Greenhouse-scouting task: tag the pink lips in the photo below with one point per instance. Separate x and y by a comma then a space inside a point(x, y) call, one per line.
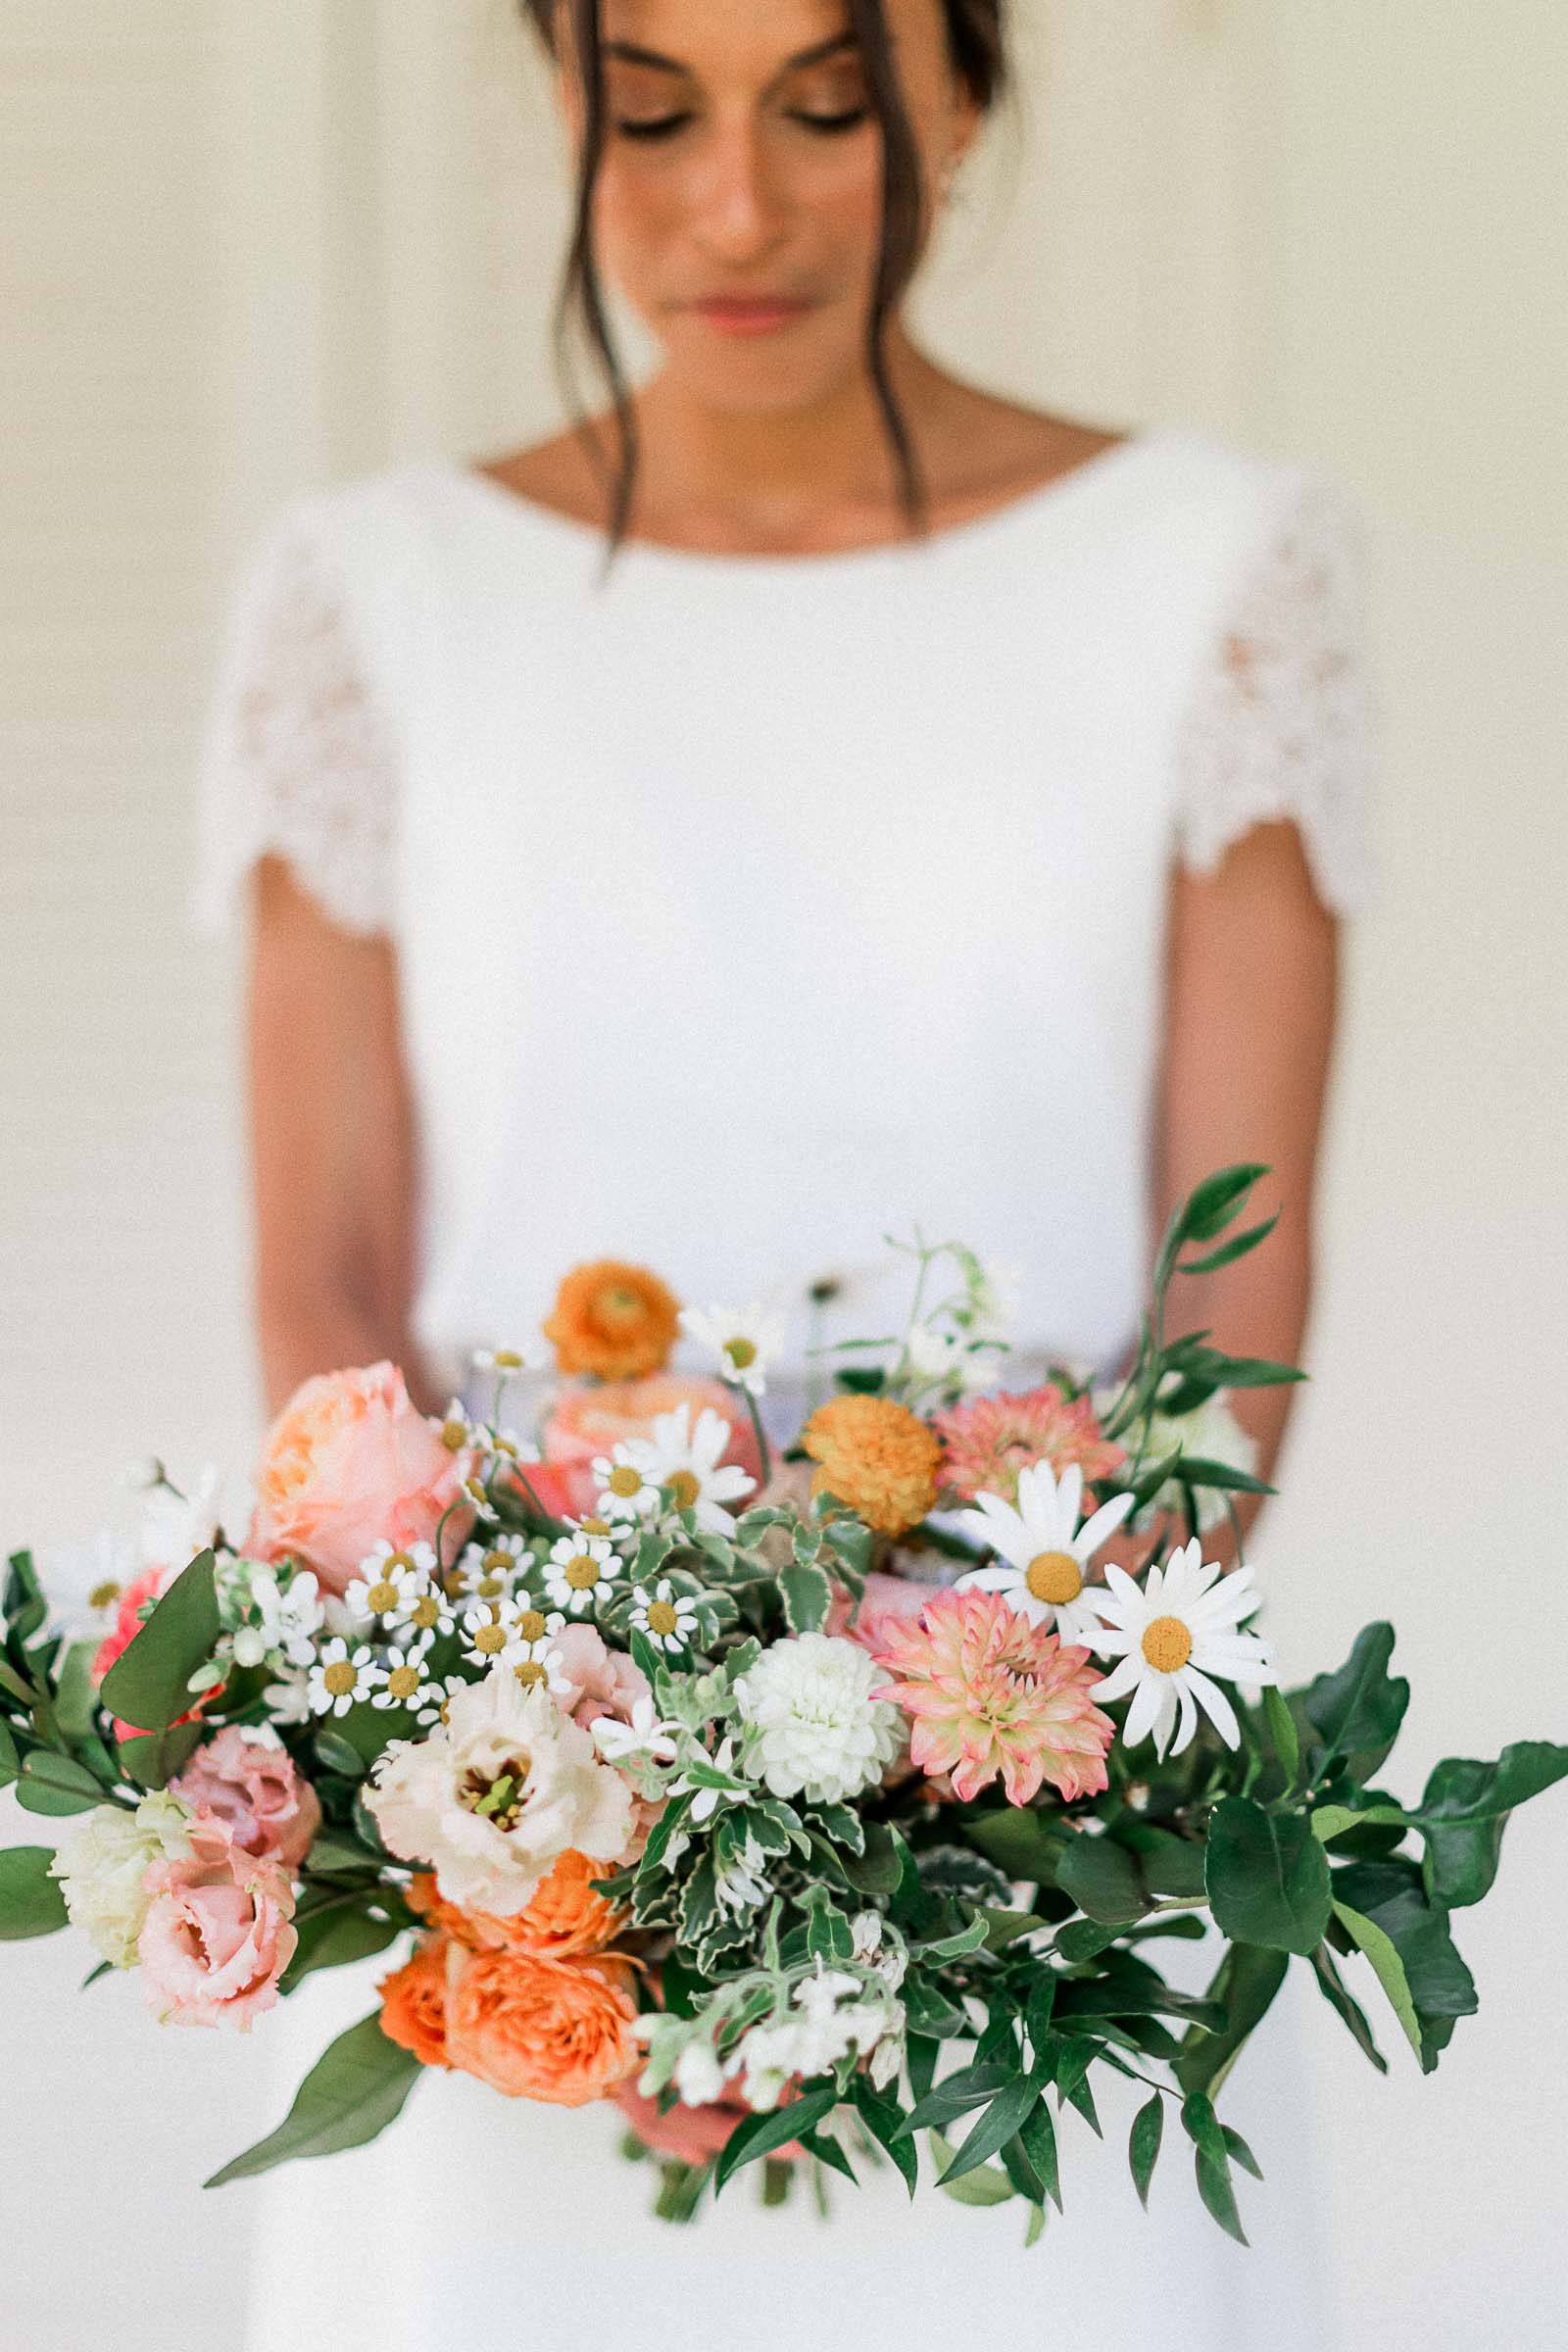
point(739, 318)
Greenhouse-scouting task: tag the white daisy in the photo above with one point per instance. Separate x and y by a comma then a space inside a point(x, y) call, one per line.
point(743, 1342)
point(340, 1677)
point(626, 1491)
point(1043, 1551)
point(490, 1571)
point(1172, 1634)
point(400, 1678)
point(456, 1431)
point(506, 1360)
point(581, 1571)
point(489, 1631)
point(480, 1495)
point(536, 1660)
point(390, 1580)
point(689, 1462)
point(667, 1618)
point(644, 1738)
point(430, 1611)
point(438, 1695)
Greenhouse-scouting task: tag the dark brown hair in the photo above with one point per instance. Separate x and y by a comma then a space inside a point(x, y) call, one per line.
point(977, 49)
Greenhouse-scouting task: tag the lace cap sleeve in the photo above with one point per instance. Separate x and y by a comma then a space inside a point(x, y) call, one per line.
point(296, 758)
point(1286, 718)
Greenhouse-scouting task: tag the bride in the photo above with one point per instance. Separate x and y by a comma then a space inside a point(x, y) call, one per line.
point(810, 794)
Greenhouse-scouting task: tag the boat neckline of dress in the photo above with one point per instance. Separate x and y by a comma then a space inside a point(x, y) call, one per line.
point(978, 531)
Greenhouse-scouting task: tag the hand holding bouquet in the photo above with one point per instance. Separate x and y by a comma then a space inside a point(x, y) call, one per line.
point(828, 1807)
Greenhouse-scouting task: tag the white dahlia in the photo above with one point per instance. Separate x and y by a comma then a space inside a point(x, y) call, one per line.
point(824, 1737)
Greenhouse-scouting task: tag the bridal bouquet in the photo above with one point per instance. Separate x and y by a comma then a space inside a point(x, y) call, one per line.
point(822, 1810)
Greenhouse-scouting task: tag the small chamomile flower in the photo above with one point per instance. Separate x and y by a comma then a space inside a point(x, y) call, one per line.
point(434, 1709)
point(539, 1660)
point(487, 1631)
point(479, 1493)
point(509, 1361)
point(288, 1699)
point(456, 1431)
point(390, 1580)
point(340, 1677)
point(401, 1679)
point(581, 1571)
point(491, 1570)
point(667, 1618)
point(430, 1611)
point(626, 1491)
point(745, 1342)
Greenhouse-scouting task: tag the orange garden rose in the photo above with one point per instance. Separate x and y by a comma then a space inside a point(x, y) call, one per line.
point(553, 2029)
point(566, 1920)
point(414, 2003)
point(615, 1321)
point(877, 1457)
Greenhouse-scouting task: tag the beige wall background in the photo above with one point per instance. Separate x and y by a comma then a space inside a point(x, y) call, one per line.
point(245, 249)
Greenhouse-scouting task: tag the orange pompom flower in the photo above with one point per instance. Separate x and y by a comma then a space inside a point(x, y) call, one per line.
point(877, 1457)
point(553, 2029)
point(414, 2003)
point(615, 1321)
point(566, 1920)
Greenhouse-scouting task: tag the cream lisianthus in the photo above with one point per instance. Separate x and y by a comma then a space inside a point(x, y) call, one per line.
point(101, 1861)
point(744, 1343)
point(1041, 1550)
point(500, 1790)
point(1172, 1634)
point(689, 1460)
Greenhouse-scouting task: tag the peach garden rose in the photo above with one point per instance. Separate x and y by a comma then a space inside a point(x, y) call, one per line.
point(532, 2028)
point(350, 1459)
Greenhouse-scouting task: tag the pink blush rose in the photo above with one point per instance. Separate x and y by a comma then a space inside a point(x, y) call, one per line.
point(252, 1787)
point(600, 1680)
point(350, 1459)
point(218, 1935)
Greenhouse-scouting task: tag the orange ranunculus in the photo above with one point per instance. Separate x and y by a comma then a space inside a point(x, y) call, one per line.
point(553, 2029)
point(414, 2003)
point(587, 1424)
point(566, 1920)
point(613, 1320)
point(877, 1457)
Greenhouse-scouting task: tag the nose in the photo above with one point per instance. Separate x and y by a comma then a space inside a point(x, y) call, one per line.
point(737, 200)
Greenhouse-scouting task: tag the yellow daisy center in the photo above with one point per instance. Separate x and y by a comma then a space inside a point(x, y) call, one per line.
point(339, 1680)
point(102, 1594)
point(625, 1482)
point(1054, 1577)
point(597, 1527)
point(582, 1572)
point(530, 1672)
point(683, 1485)
point(381, 1597)
point(507, 1360)
point(454, 1435)
point(490, 1638)
point(496, 1563)
point(1167, 1644)
point(403, 1682)
point(426, 1612)
point(490, 1588)
point(532, 1626)
point(661, 1619)
point(741, 1353)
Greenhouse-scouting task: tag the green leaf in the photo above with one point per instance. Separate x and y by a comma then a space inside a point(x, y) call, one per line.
point(1236, 1248)
point(1267, 1876)
point(1223, 1478)
point(1211, 2156)
point(1102, 1879)
point(1143, 2146)
point(1345, 2006)
point(1358, 1711)
point(807, 1595)
point(1017, 1841)
point(877, 1871)
point(1038, 2135)
point(148, 1683)
point(153, 1760)
point(1283, 1735)
point(1243, 1984)
point(10, 1756)
point(828, 1935)
point(883, 2117)
point(959, 1944)
point(1004, 1926)
point(761, 2134)
point(971, 2087)
point(1378, 1947)
point(53, 1783)
point(984, 2187)
point(353, 2091)
point(1002, 2119)
point(1385, 1909)
point(1465, 1809)
point(1240, 2153)
point(75, 1694)
point(1084, 1939)
point(31, 1902)
point(338, 1754)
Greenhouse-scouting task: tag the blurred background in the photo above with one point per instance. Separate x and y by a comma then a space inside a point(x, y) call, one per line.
point(243, 250)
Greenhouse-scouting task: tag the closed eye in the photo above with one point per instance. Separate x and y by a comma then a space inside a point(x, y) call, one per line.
point(664, 126)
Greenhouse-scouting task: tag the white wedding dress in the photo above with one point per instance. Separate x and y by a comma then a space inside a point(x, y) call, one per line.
point(749, 910)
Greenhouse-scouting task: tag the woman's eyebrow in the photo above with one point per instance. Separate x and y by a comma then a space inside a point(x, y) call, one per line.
point(632, 53)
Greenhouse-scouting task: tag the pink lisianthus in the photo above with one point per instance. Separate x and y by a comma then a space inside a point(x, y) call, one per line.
point(587, 1423)
point(989, 1693)
point(248, 1782)
point(600, 1680)
point(351, 1459)
point(985, 1444)
point(129, 1621)
point(218, 1935)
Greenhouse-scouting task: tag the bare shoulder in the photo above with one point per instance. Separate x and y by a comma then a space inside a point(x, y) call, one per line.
point(999, 449)
point(558, 473)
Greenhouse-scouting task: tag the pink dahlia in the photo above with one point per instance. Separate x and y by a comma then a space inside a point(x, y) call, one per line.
point(989, 1693)
point(987, 1444)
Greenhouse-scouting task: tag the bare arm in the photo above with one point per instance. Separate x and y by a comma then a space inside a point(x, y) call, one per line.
point(332, 1145)
point(1251, 1000)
